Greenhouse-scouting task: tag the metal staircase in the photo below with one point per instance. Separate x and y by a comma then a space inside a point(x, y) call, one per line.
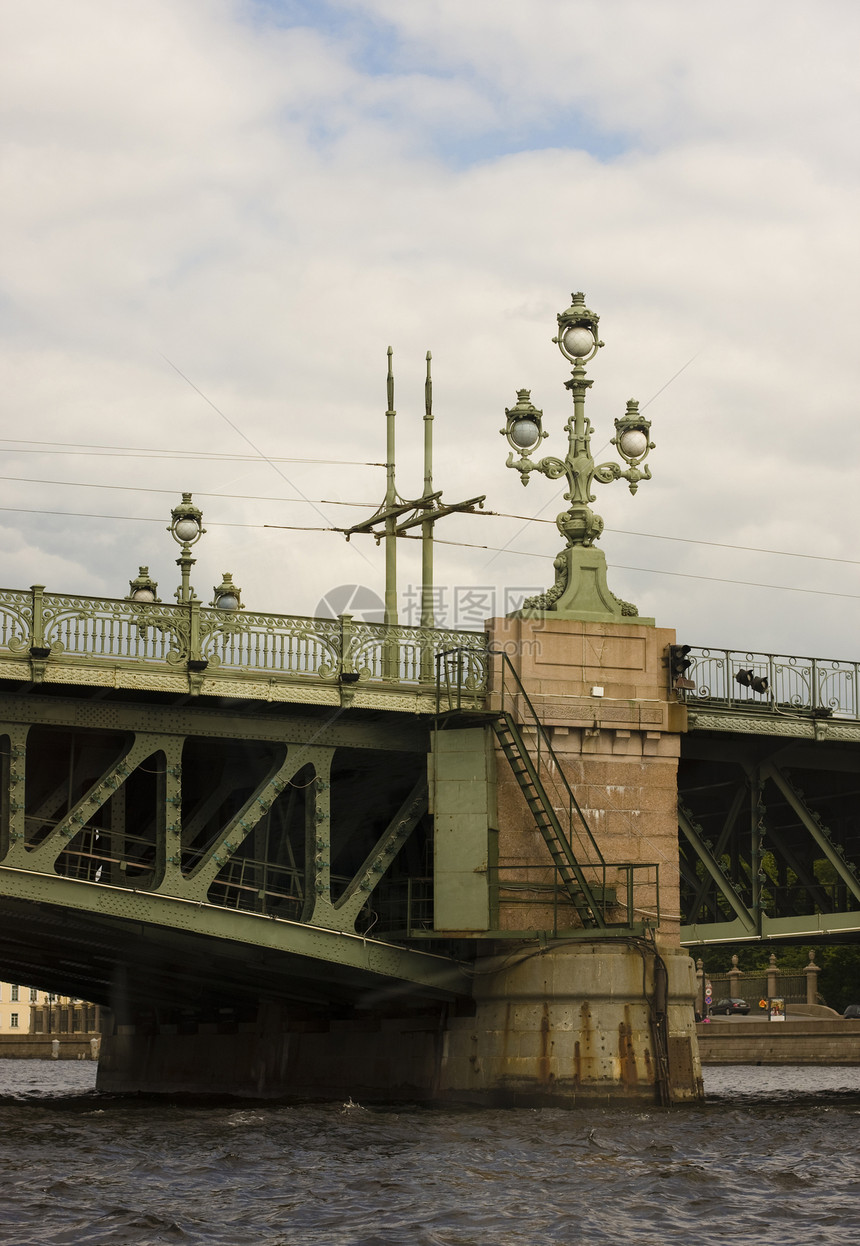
point(525, 741)
point(547, 820)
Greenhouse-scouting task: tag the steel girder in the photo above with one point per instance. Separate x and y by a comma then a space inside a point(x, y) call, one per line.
point(195, 825)
point(769, 839)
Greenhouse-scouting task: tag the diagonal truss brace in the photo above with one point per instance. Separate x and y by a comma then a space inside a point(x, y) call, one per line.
point(44, 857)
point(383, 853)
point(231, 837)
point(818, 833)
point(168, 878)
point(713, 867)
point(720, 846)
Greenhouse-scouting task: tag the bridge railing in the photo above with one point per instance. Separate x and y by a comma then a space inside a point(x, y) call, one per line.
point(93, 630)
point(819, 686)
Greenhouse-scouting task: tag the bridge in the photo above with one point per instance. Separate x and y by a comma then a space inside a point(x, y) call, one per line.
point(206, 812)
point(329, 858)
point(203, 809)
point(769, 833)
point(181, 766)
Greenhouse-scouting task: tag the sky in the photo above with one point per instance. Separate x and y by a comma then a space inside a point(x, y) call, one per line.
point(217, 215)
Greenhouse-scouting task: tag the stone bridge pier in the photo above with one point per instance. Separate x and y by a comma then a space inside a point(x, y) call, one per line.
point(589, 1013)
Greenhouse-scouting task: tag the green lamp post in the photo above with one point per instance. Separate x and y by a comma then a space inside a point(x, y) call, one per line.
point(186, 528)
point(580, 590)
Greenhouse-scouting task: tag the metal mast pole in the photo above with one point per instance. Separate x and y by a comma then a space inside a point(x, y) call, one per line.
point(427, 617)
point(389, 504)
point(422, 513)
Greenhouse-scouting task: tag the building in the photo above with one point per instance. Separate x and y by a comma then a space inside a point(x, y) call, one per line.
point(26, 1010)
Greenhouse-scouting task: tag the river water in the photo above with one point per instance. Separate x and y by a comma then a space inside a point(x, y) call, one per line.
point(772, 1157)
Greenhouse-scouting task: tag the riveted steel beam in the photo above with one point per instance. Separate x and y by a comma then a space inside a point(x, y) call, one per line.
point(360, 964)
point(347, 908)
point(44, 856)
point(815, 828)
point(721, 844)
point(817, 927)
point(744, 916)
point(332, 728)
point(235, 832)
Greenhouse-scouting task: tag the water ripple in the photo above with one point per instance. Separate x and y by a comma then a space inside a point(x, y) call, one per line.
point(772, 1158)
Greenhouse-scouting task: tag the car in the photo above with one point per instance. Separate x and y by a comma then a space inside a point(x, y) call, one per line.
point(730, 1008)
point(852, 1012)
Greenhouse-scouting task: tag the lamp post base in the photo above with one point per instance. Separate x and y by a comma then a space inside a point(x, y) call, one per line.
point(581, 592)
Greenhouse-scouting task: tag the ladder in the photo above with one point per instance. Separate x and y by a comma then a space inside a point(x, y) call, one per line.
point(570, 872)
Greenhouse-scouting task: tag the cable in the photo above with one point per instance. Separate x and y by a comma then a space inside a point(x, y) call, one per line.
point(77, 447)
point(685, 575)
point(669, 382)
point(242, 497)
point(687, 540)
point(714, 579)
point(254, 497)
point(254, 447)
point(24, 510)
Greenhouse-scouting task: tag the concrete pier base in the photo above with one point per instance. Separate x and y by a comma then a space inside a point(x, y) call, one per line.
point(608, 1021)
point(553, 1026)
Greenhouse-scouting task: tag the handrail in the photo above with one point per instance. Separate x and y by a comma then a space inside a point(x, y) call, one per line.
point(49, 627)
point(819, 687)
point(450, 668)
point(544, 739)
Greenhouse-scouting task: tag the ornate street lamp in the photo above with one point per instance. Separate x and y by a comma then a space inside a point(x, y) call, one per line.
point(143, 588)
point(186, 528)
point(580, 589)
point(227, 595)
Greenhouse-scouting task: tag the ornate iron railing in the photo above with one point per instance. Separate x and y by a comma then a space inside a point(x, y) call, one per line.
point(43, 626)
point(820, 687)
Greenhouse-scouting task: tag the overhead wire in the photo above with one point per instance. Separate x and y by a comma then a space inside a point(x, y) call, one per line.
point(200, 493)
point(215, 523)
point(689, 540)
point(256, 497)
point(33, 446)
point(29, 446)
point(247, 439)
point(687, 575)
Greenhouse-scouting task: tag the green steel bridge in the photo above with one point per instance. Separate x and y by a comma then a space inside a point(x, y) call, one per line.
point(201, 806)
point(170, 778)
point(768, 786)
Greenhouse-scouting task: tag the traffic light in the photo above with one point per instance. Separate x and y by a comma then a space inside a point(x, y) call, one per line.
point(679, 664)
point(749, 679)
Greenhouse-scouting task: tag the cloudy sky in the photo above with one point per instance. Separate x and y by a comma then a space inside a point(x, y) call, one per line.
point(218, 214)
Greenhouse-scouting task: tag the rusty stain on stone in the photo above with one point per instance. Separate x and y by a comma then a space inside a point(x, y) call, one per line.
point(545, 1045)
point(586, 1062)
point(629, 1073)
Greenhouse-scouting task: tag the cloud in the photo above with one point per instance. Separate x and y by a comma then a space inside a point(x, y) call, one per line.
point(265, 196)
